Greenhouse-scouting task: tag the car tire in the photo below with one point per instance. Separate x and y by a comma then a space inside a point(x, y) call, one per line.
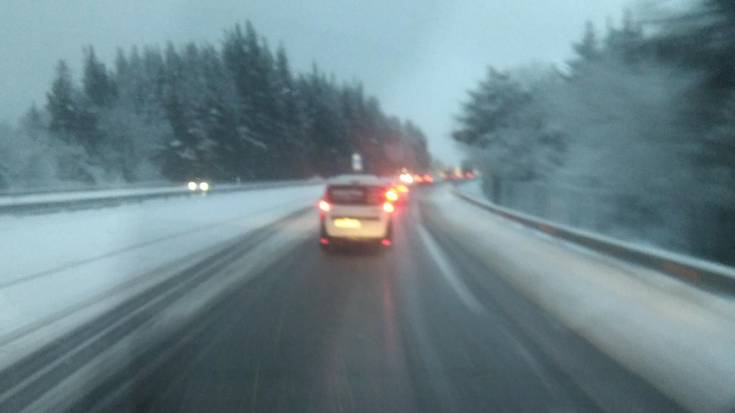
point(323, 235)
point(388, 236)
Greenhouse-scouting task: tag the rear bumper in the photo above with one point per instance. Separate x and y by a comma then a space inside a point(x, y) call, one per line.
point(371, 231)
point(354, 241)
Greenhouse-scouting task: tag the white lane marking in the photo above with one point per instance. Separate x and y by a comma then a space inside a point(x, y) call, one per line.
point(449, 274)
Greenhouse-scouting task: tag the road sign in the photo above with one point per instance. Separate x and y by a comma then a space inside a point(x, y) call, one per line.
point(356, 162)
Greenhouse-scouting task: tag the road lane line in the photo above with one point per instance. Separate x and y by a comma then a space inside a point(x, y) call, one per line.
point(448, 272)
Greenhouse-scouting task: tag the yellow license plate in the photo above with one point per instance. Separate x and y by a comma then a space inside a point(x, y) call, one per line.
point(347, 223)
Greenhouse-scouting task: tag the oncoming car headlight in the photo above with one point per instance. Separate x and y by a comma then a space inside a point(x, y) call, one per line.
point(192, 186)
point(203, 186)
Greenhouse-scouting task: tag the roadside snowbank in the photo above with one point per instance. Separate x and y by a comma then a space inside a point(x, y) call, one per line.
point(62, 269)
point(679, 338)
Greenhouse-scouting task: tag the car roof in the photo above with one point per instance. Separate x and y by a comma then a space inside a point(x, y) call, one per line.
point(356, 179)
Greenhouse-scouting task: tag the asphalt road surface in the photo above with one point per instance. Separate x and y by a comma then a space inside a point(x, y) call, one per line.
point(421, 327)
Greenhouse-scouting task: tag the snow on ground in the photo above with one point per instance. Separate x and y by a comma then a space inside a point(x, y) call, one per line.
point(120, 354)
point(473, 188)
point(474, 191)
point(53, 262)
point(7, 200)
point(679, 338)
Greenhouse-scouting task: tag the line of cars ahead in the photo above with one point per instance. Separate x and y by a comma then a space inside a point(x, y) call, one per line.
point(356, 209)
point(359, 209)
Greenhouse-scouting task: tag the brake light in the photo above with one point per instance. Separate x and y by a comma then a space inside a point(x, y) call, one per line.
point(418, 179)
point(324, 241)
point(324, 206)
point(388, 207)
point(386, 242)
point(428, 178)
point(391, 195)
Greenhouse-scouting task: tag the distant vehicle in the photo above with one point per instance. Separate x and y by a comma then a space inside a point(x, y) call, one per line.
point(402, 192)
point(423, 179)
point(397, 192)
point(357, 209)
point(197, 184)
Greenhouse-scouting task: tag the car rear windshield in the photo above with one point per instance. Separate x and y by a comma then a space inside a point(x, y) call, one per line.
point(355, 195)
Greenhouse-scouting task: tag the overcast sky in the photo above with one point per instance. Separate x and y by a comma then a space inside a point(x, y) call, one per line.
point(419, 57)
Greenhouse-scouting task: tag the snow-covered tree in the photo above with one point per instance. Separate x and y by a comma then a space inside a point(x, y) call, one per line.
point(61, 103)
point(230, 112)
point(587, 49)
point(98, 87)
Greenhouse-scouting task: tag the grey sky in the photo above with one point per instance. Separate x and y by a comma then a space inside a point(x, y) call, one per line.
point(419, 57)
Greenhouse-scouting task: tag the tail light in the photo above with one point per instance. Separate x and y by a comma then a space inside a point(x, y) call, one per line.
point(386, 242)
point(324, 206)
point(388, 207)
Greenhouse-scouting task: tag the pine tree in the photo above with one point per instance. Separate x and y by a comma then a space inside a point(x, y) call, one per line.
point(97, 84)
point(61, 104)
point(122, 67)
point(326, 127)
point(290, 119)
point(217, 113)
point(269, 127)
point(240, 55)
point(626, 42)
point(178, 154)
point(491, 107)
point(587, 49)
point(229, 113)
point(33, 122)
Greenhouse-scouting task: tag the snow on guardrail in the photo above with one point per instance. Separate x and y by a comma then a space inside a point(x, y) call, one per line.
point(704, 274)
point(48, 202)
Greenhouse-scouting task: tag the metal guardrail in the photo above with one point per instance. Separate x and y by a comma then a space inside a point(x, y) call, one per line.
point(59, 201)
point(701, 273)
point(80, 187)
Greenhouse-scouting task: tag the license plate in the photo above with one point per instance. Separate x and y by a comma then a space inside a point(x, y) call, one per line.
point(347, 223)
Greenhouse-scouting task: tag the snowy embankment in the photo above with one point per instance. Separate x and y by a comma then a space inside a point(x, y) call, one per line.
point(45, 202)
point(69, 196)
point(62, 269)
point(704, 274)
point(679, 338)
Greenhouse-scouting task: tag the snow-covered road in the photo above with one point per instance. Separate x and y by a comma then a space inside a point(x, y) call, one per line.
point(679, 338)
point(62, 269)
